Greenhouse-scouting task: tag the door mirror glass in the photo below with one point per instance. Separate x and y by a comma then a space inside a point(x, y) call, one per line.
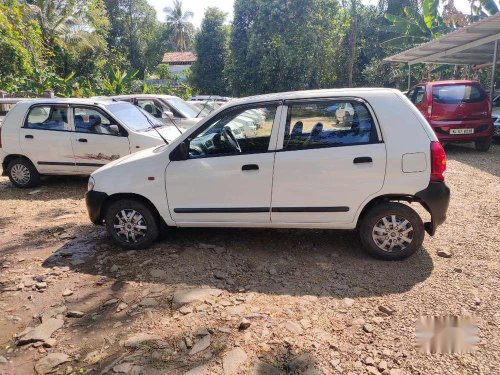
point(181, 152)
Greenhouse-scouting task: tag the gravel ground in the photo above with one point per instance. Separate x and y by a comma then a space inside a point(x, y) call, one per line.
point(234, 301)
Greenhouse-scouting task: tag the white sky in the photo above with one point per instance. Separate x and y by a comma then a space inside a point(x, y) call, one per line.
point(199, 6)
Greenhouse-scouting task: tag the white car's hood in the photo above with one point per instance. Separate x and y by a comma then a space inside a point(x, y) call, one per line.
point(170, 133)
point(132, 157)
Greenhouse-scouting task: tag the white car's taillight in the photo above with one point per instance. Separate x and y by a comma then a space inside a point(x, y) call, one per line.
point(438, 161)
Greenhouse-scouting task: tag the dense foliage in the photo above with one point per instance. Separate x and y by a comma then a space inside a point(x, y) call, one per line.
point(211, 47)
point(101, 47)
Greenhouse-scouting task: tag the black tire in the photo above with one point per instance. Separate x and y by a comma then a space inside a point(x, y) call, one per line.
point(22, 164)
point(375, 215)
point(149, 220)
point(483, 146)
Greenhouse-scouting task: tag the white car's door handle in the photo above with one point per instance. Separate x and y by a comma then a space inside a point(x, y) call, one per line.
point(82, 140)
point(29, 136)
point(363, 159)
point(250, 167)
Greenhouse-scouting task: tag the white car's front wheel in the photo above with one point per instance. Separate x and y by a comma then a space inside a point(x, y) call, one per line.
point(132, 224)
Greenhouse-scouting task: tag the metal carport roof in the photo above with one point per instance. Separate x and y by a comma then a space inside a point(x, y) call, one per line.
point(470, 45)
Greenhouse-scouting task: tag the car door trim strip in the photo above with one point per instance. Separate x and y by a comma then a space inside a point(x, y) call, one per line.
point(69, 163)
point(225, 210)
point(311, 209)
point(222, 210)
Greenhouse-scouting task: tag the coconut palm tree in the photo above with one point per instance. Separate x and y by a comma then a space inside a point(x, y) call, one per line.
point(179, 25)
point(63, 22)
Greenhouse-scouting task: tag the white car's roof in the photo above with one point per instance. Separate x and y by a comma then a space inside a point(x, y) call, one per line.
point(310, 94)
point(93, 101)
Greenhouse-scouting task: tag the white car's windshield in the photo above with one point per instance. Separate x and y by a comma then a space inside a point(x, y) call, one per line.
point(133, 117)
point(182, 107)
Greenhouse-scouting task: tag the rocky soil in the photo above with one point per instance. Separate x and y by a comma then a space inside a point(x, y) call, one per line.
point(235, 301)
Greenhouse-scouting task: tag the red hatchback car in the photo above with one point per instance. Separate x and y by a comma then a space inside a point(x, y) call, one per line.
point(458, 111)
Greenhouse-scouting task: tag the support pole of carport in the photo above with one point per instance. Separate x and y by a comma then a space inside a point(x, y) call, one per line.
point(493, 69)
point(409, 76)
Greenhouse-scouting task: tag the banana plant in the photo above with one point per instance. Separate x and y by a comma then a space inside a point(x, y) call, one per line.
point(415, 27)
point(117, 81)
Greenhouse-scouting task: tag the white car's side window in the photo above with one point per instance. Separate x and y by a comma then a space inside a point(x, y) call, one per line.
point(327, 124)
point(48, 118)
point(88, 120)
point(237, 132)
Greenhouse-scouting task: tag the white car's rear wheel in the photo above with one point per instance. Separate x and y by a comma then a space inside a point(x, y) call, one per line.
point(392, 231)
point(132, 224)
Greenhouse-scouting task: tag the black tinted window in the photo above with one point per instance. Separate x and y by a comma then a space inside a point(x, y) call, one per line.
point(455, 94)
point(328, 123)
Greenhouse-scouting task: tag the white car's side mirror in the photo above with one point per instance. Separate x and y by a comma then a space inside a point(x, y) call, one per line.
point(114, 129)
point(168, 114)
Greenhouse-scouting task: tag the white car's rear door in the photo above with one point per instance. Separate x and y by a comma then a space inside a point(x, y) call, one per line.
point(45, 138)
point(218, 183)
point(327, 165)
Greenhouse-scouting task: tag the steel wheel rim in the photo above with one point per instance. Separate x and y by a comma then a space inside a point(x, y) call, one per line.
point(392, 233)
point(130, 226)
point(20, 174)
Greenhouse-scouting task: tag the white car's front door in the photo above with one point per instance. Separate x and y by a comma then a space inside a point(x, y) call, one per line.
point(225, 178)
point(95, 141)
point(45, 139)
point(328, 164)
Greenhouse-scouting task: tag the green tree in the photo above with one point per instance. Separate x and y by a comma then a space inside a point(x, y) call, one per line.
point(179, 27)
point(277, 45)
point(20, 44)
point(70, 23)
point(135, 34)
point(211, 46)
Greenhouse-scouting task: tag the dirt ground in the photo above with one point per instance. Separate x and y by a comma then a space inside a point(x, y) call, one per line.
point(234, 301)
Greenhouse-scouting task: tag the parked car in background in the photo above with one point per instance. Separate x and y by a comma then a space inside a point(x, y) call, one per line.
point(458, 111)
point(495, 115)
point(73, 137)
point(211, 98)
point(205, 107)
point(303, 168)
point(169, 109)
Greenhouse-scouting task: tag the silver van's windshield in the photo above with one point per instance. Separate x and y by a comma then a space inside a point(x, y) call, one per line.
point(132, 117)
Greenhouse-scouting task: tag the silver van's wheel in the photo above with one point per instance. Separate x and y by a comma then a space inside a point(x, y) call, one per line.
point(22, 173)
point(392, 231)
point(132, 224)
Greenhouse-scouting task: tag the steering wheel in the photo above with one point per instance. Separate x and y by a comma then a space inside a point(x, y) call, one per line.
point(230, 138)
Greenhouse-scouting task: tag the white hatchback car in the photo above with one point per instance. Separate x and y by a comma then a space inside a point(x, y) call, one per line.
point(304, 168)
point(73, 137)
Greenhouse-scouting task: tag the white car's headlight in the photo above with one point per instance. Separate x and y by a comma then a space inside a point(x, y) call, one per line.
point(91, 184)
